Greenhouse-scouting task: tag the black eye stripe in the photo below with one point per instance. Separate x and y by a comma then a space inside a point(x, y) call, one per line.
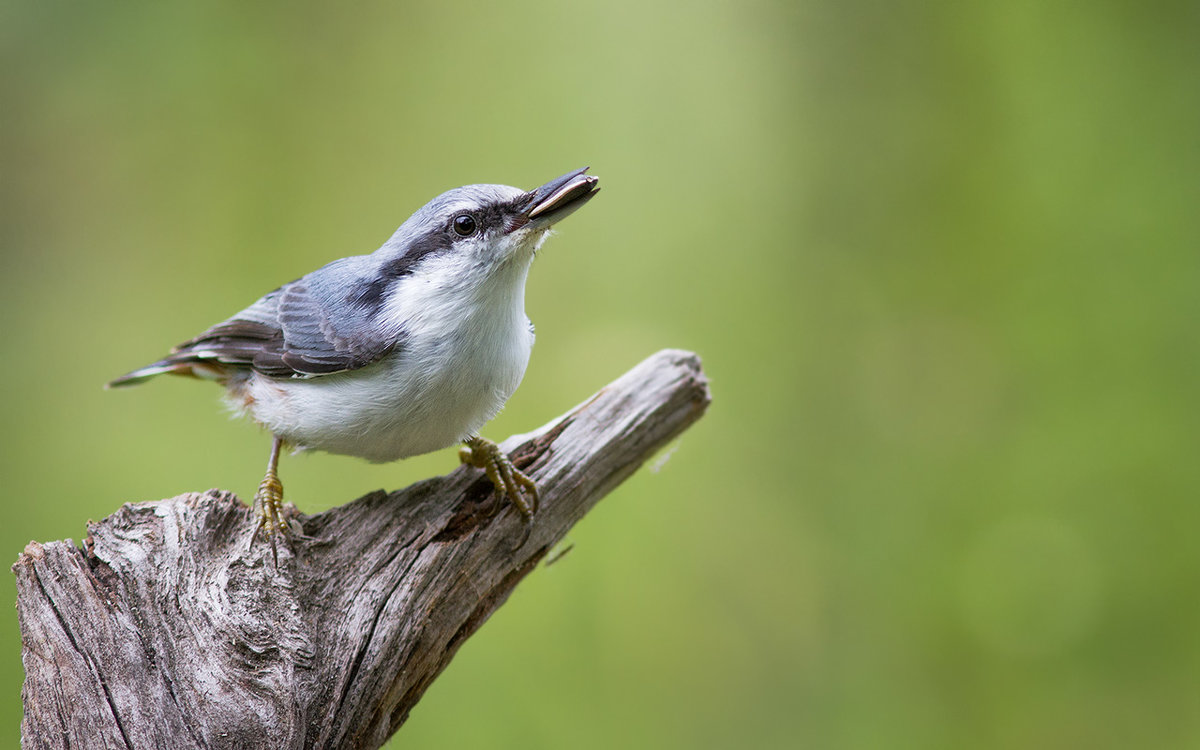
point(489, 217)
point(431, 244)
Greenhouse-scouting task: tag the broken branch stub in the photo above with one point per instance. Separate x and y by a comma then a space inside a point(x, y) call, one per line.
point(170, 629)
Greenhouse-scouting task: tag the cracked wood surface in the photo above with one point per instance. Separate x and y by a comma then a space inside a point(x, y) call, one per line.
point(170, 630)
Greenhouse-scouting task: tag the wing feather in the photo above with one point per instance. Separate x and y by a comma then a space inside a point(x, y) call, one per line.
point(307, 328)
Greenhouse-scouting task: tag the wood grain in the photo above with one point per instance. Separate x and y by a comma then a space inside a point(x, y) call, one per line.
point(169, 629)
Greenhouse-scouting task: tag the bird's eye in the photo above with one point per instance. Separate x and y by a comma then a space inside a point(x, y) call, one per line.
point(464, 224)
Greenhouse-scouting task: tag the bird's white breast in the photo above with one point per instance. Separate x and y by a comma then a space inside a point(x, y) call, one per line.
point(463, 345)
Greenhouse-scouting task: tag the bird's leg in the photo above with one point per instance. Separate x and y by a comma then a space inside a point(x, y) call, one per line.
point(507, 479)
point(269, 502)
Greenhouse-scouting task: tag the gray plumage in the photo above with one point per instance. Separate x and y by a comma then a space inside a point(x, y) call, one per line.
point(399, 352)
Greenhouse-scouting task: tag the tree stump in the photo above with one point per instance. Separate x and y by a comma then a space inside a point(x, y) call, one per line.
point(170, 629)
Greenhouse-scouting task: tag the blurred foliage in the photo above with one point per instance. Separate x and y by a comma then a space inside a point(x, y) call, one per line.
point(941, 261)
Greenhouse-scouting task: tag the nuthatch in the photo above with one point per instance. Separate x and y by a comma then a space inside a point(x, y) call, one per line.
point(404, 351)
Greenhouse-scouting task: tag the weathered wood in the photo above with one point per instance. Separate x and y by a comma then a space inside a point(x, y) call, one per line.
point(169, 629)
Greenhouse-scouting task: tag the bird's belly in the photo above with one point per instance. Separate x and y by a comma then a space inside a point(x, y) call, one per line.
point(391, 410)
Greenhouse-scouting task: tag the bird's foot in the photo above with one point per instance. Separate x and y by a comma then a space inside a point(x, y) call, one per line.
point(268, 501)
point(506, 478)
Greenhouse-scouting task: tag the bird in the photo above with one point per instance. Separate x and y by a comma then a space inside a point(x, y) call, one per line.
point(400, 352)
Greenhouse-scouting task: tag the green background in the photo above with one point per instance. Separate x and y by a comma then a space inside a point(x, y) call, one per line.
point(941, 262)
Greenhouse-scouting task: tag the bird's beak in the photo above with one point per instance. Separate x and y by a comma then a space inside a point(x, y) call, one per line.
point(559, 198)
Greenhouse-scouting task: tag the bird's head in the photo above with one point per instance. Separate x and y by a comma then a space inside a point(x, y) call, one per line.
point(484, 227)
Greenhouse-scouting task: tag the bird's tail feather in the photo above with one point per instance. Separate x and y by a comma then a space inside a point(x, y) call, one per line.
point(142, 374)
point(170, 366)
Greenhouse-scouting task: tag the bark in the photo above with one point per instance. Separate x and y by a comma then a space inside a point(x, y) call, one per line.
point(170, 629)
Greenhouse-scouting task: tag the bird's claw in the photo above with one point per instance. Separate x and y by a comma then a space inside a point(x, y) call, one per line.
point(268, 501)
point(506, 478)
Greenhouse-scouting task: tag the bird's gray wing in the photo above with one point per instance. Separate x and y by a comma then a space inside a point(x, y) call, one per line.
point(315, 325)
